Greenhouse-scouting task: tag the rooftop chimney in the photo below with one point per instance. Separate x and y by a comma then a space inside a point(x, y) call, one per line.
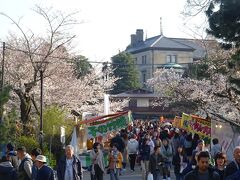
point(133, 39)
point(139, 34)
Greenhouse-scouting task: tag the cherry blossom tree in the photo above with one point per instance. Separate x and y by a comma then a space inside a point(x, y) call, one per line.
point(30, 53)
point(209, 96)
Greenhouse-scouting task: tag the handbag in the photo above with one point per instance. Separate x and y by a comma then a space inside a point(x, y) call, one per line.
point(150, 176)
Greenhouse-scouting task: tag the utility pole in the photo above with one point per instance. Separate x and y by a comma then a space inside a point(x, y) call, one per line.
point(41, 109)
point(2, 80)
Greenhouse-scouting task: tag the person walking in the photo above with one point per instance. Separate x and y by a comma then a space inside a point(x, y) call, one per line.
point(25, 167)
point(132, 149)
point(7, 171)
point(69, 167)
point(179, 162)
point(98, 166)
point(233, 168)
point(155, 163)
point(44, 171)
point(203, 170)
point(144, 152)
point(176, 141)
point(125, 152)
point(115, 162)
point(188, 146)
point(167, 152)
point(216, 148)
point(12, 154)
point(34, 153)
point(220, 164)
point(200, 147)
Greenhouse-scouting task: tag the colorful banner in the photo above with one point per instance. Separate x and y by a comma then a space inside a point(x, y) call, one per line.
point(105, 126)
point(177, 122)
point(195, 124)
point(185, 121)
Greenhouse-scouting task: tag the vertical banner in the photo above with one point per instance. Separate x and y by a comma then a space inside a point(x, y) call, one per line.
point(62, 135)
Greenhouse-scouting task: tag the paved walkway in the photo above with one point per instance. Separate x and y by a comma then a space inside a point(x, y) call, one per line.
point(127, 175)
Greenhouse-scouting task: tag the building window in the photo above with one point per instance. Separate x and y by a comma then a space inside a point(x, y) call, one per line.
point(135, 61)
point(133, 103)
point(171, 58)
point(144, 59)
point(144, 76)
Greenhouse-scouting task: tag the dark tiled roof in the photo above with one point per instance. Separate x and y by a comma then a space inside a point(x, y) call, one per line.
point(197, 44)
point(159, 42)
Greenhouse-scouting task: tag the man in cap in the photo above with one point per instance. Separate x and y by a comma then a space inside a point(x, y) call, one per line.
point(34, 153)
point(25, 167)
point(44, 172)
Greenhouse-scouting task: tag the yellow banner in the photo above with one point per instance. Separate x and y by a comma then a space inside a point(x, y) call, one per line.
point(196, 124)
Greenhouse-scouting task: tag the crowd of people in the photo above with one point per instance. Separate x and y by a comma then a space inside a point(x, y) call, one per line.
point(17, 164)
point(158, 150)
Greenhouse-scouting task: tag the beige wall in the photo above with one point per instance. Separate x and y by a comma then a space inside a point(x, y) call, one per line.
point(160, 57)
point(141, 67)
point(143, 102)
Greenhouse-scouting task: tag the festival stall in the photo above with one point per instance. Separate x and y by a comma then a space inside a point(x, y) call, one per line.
point(99, 129)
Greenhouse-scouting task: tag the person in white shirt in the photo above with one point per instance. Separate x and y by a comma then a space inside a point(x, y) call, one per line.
point(132, 149)
point(69, 167)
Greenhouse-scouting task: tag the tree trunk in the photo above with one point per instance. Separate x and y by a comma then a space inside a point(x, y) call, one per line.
point(25, 107)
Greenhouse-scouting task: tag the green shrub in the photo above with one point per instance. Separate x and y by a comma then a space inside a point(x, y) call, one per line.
point(29, 142)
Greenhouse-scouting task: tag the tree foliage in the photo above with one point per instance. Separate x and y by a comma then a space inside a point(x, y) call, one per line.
point(29, 54)
point(82, 66)
point(9, 129)
point(125, 69)
point(223, 17)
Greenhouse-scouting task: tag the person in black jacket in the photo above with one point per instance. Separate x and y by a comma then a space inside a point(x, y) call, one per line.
point(203, 171)
point(44, 172)
point(179, 162)
point(119, 141)
point(234, 166)
point(144, 151)
point(69, 167)
point(220, 164)
point(7, 171)
point(155, 163)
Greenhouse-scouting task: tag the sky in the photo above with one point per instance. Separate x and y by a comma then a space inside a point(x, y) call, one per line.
point(106, 25)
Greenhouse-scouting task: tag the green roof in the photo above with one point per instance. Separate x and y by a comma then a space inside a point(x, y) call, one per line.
point(173, 65)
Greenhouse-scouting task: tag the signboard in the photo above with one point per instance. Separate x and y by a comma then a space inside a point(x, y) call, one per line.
point(196, 124)
point(111, 124)
point(177, 122)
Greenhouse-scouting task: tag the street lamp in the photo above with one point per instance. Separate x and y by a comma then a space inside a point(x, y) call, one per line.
point(41, 66)
point(2, 81)
point(41, 109)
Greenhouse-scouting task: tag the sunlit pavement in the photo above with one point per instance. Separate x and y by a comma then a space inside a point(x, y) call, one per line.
point(127, 175)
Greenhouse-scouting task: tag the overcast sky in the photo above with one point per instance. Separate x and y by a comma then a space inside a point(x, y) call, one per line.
point(107, 25)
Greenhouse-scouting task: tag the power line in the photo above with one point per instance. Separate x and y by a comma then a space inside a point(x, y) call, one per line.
point(94, 62)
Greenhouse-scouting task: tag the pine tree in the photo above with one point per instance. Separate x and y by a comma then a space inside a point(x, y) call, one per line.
point(224, 23)
point(125, 69)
